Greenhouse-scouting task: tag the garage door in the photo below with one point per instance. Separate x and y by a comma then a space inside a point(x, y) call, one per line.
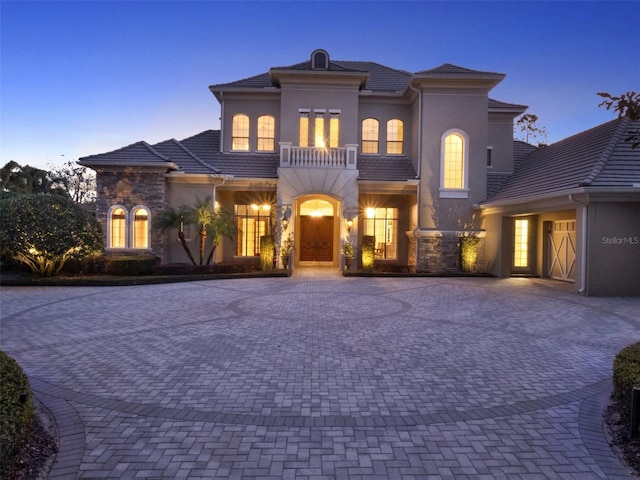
point(562, 250)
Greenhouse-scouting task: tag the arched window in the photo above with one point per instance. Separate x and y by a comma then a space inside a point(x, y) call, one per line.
point(117, 228)
point(395, 136)
point(454, 165)
point(140, 228)
point(240, 133)
point(266, 133)
point(370, 135)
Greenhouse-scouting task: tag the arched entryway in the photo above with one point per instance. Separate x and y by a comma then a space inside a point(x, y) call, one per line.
point(317, 230)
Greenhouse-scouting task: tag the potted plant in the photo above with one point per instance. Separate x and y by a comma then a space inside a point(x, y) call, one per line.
point(285, 250)
point(348, 250)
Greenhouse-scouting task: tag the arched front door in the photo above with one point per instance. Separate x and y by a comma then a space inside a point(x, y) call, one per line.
point(316, 231)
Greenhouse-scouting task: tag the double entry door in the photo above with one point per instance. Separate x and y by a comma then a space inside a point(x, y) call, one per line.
point(316, 239)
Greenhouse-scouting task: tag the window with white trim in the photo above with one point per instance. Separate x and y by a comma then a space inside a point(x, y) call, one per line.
point(395, 136)
point(454, 165)
point(304, 128)
point(334, 129)
point(117, 228)
point(266, 133)
point(240, 133)
point(140, 228)
point(370, 132)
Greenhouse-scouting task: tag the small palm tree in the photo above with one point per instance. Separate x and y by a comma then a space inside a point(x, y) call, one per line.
point(171, 218)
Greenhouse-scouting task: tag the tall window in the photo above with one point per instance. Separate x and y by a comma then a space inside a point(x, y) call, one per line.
point(370, 135)
point(319, 130)
point(334, 129)
point(118, 228)
point(395, 136)
point(240, 133)
point(454, 165)
point(140, 228)
point(304, 129)
point(266, 133)
point(382, 223)
point(521, 243)
point(252, 222)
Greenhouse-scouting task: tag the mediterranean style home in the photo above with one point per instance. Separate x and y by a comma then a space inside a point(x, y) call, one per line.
point(325, 151)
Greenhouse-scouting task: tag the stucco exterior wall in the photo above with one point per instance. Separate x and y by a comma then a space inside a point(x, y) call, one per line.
point(613, 244)
point(253, 106)
point(500, 137)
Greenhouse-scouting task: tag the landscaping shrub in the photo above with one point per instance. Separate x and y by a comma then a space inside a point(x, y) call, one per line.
point(368, 252)
point(218, 268)
point(626, 375)
point(267, 251)
point(17, 415)
point(131, 264)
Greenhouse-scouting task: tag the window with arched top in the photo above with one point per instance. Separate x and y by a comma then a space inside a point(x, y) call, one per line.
point(140, 228)
point(117, 228)
point(370, 136)
point(454, 165)
point(240, 132)
point(319, 60)
point(266, 133)
point(395, 136)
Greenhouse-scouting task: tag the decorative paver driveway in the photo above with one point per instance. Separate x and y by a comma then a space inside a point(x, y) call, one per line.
point(319, 376)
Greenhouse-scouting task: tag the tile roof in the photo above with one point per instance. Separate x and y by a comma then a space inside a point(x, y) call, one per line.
point(598, 157)
point(139, 153)
point(385, 168)
point(449, 69)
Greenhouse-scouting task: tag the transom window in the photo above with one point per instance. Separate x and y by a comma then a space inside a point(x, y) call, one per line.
point(382, 223)
point(266, 133)
point(252, 222)
point(370, 127)
point(240, 133)
point(395, 136)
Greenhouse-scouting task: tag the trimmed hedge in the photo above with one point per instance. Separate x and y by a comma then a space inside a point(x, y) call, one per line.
point(134, 265)
point(17, 415)
point(626, 375)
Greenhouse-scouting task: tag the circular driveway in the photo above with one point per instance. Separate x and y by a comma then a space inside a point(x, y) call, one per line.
point(320, 376)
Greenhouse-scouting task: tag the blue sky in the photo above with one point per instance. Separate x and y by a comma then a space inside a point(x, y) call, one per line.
point(79, 78)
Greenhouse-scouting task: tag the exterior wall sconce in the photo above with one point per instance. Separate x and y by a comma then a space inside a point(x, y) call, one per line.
point(286, 216)
point(349, 224)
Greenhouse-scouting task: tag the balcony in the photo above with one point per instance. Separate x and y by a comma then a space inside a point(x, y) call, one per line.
point(318, 157)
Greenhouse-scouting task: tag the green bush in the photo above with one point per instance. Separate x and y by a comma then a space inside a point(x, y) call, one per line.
point(44, 231)
point(368, 252)
point(626, 375)
point(131, 264)
point(267, 251)
point(17, 415)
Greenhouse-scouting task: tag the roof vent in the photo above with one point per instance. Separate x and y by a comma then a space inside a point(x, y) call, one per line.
point(320, 60)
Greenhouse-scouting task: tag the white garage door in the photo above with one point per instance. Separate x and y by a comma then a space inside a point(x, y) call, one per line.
point(562, 250)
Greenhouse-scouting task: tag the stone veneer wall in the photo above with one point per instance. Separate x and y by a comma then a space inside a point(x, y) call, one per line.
point(131, 188)
point(440, 255)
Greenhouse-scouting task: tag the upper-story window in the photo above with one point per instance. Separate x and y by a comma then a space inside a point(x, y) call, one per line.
point(240, 133)
point(319, 130)
point(454, 165)
point(370, 132)
point(266, 133)
point(304, 128)
point(319, 60)
point(395, 136)
point(334, 129)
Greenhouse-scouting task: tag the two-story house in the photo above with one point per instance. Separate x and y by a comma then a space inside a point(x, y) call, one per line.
point(327, 150)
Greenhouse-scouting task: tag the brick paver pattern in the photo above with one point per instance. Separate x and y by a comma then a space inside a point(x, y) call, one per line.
point(319, 376)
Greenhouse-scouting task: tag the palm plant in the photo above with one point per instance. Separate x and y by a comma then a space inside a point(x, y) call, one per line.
point(175, 218)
